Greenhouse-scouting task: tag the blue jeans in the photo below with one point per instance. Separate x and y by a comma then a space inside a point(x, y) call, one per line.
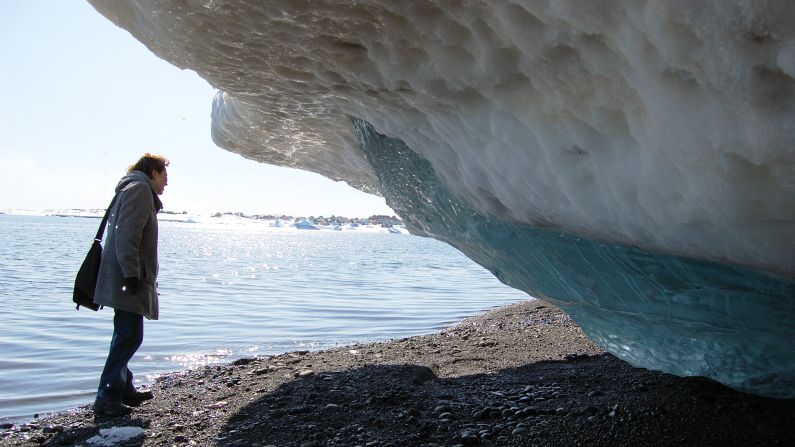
point(128, 334)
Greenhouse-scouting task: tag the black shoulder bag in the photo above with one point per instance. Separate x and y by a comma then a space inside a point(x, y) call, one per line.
point(86, 281)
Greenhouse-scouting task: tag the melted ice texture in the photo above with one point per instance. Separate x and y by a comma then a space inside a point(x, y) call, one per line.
point(667, 125)
point(591, 153)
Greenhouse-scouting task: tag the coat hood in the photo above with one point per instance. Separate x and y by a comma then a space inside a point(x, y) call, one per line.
point(139, 176)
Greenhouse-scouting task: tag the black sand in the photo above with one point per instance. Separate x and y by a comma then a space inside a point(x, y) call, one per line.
point(518, 376)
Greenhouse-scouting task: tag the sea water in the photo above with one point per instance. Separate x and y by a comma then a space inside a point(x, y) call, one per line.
point(226, 292)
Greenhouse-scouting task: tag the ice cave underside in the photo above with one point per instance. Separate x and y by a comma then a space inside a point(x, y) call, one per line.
point(632, 162)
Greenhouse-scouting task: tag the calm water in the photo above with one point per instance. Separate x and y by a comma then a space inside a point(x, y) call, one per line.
point(226, 292)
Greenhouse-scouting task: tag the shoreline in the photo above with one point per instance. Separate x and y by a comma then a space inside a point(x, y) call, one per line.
point(523, 374)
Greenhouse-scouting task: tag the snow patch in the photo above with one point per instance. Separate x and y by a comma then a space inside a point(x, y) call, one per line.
point(109, 437)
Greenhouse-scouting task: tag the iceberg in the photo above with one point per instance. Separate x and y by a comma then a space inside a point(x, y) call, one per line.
point(305, 224)
point(631, 162)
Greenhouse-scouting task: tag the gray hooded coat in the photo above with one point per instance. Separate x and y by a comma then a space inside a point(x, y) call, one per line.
point(131, 248)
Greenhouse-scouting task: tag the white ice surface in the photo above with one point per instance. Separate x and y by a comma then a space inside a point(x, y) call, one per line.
point(109, 437)
point(663, 124)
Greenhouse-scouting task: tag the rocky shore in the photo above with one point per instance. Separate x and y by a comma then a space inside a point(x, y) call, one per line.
point(517, 376)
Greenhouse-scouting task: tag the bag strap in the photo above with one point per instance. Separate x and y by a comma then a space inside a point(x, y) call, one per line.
point(101, 230)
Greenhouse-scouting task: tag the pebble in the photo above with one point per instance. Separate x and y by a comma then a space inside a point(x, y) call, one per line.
point(442, 409)
point(53, 429)
point(469, 438)
point(487, 413)
point(591, 410)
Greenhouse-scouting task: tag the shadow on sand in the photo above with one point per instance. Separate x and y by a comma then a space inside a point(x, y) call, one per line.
point(596, 400)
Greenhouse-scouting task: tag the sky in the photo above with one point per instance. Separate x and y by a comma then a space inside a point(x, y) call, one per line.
point(83, 100)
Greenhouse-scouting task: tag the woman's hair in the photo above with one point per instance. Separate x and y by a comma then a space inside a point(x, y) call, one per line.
point(148, 163)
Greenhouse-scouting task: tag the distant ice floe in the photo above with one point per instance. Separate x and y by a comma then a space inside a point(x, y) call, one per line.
point(632, 162)
point(65, 212)
point(226, 220)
